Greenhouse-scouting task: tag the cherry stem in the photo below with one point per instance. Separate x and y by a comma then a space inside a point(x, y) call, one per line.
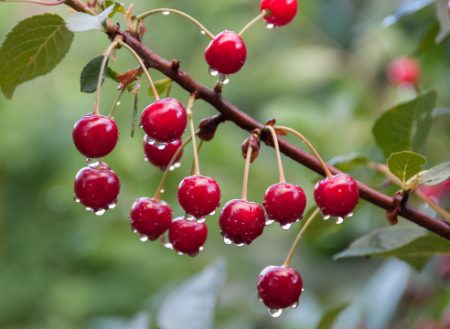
point(311, 147)
point(178, 12)
point(198, 151)
point(101, 74)
point(253, 22)
point(246, 171)
point(144, 68)
point(288, 260)
point(36, 2)
point(278, 153)
point(383, 169)
point(160, 187)
point(192, 128)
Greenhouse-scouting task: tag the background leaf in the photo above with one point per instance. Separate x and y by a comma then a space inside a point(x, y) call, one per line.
point(47, 42)
point(405, 165)
point(405, 126)
point(161, 85)
point(330, 317)
point(435, 175)
point(348, 162)
point(443, 18)
point(407, 8)
point(89, 75)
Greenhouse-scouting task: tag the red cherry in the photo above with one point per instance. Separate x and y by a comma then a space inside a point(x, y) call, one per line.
point(160, 155)
point(187, 237)
point(279, 287)
point(95, 136)
point(241, 221)
point(164, 120)
point(199, 195)
point(284, 203)
point(337, 195)
point(281, 12)
point(226, 53)
point(404, 70)
point(150, 218)
point(97, 187)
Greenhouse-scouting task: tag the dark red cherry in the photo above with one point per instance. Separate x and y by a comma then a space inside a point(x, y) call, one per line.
point(199, 195)
point(336, 196)
point(160, 155)
point(150, 218)
point(187, 237)
point(404, 70)
point(279, 287)
point(95, 136)
point(97, 187)
point(226, 53)
point(241, 221)
point(164, 120)
point(280, 12)
point(284, 203)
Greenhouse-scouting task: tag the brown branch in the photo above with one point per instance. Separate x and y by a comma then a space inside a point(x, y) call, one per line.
point(232, 113)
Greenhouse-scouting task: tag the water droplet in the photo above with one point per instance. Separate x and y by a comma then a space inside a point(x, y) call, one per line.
point(270, 26)
point(143, 238)
point(162, 191)
point(326, 217)
point(172, 168)
point(166, 13)
point(112, 206)
point(349, 215)
point(76, 199)
point(303, 289)
point(275, 313)
point(295, 305)
point(227, 241)
point(269, 221)
point(145, 158)
point(224, 79)
point(286, 227)
point(180, 253)
point(149, 140)
point(202, 32)
point(118, 103)
point(135, 231)
point(201, 220)
point(240, 244)
point(212, 213)
point(161, 146)
point(93, 163)
point(177, 165)
point(168, 245)
point(339, 220)
point(99, 212)
point(201, 248)
point(88, 209)
point(213, 72)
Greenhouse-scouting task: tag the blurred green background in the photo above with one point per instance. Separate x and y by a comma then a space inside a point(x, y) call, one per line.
point(64, 268)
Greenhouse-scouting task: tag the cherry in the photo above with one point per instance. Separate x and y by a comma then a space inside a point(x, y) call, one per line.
point(404, 70)
point(160, 156)
point(337, 195)
point(150, 218)
point(199, 195)
point(241, 221)
point(164, 120)
point(280, 12)
point(284, 203)
point(226, 53)
point(187, 237)
point(279, 287)
point(95, 136)
point(97, 187)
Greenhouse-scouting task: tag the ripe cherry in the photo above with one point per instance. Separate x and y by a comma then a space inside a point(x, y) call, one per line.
point(187, 237)
point(150, 218)
point(404, 70)
point(226, 53)
point(164, 120)
point(280, 12)
point(284, 203)
point(97, 187)
point(199, 195)
point(160, 155)
point(241, 221)
point(95, 136)
point(279, 287)
point(337, 195)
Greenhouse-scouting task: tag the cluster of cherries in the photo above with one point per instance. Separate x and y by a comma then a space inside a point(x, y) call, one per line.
point(164, 121)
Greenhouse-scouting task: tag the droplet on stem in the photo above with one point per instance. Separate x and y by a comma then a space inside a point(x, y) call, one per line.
point(166, 13)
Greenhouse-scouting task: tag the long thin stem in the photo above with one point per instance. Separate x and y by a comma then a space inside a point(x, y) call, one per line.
point(36, 2)
point(311, 147)
point(193, 136)
point(278, 154)
point(253, 22)
point(199, 146)
point(160, 187)
point(288, 260)
point(144, 69)
point(178, 12)
point(101, 74)
point(246, 171)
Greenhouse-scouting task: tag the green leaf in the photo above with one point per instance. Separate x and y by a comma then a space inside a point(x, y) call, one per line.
point(194, 301)
point(407, 243)
point(405, 126)
point(33, 48)
point(117, 7)
point(443, 18)
point(405, 165)
point(330, 317)
point(408, 7)
point(427, 41)
point(161, 85)
point(435, 175)
point(348, 162)
point(90, 73)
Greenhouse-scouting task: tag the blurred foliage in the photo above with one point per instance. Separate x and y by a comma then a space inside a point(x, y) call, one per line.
point(62, 267)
